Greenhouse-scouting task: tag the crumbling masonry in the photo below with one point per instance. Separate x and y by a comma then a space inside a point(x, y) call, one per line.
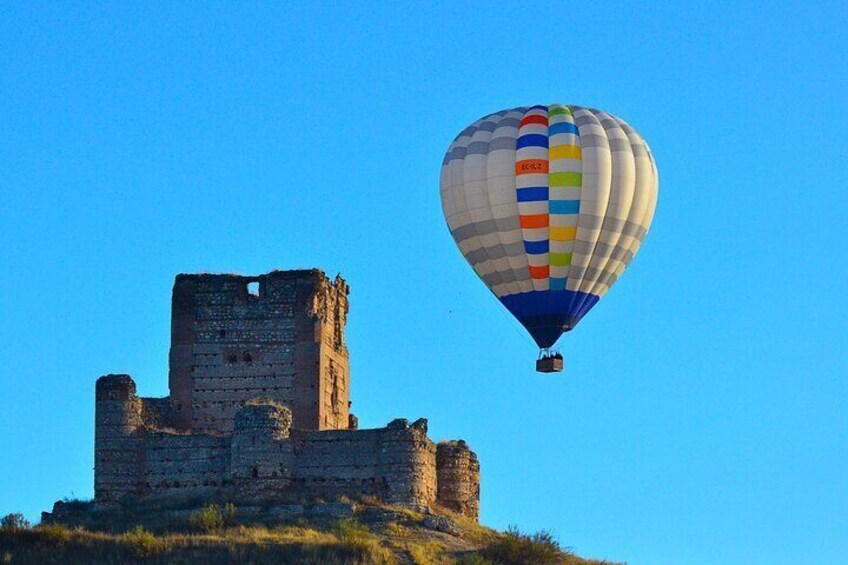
point(259, 406)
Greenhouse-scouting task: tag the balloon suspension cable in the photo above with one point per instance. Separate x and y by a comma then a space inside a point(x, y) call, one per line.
point(516, 326)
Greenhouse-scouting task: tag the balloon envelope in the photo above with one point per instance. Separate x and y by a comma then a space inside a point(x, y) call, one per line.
point(549, 204)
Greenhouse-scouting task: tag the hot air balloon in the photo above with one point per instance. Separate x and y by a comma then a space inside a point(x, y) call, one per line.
point(549, 204)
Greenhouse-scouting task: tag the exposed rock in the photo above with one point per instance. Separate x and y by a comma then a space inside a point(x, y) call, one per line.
point(442, 524)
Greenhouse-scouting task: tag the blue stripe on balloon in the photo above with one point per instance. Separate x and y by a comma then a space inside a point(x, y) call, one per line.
point(539, 107)
point(564, 206)
point(532, 140)
point(548, 313)
point(533, 194)
point(536, 247)
point(557, 283)
point(545, 302)
point(562, 127)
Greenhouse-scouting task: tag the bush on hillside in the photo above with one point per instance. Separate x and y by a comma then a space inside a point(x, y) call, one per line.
point(14, 523)
point(212, 517)
point(141, 542)
point(516, 548)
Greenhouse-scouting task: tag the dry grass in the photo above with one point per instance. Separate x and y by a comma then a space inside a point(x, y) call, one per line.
point(240, 544)
point(378, 534)
point(427, 553)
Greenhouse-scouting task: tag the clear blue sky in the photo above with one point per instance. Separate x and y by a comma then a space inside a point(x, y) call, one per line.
point(701, 418)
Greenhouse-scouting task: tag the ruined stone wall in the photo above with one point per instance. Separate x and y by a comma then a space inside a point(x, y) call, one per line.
point(156, 413)
point(335, 463)
point(174, 464)
point(284, 343)
point(396, 463)
point(263, 457)
point(458, 478)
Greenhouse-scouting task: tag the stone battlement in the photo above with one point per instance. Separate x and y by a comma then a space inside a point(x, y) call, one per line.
point(259, 408)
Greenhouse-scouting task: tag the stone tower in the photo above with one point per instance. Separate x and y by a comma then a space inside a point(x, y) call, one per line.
point(278, 336)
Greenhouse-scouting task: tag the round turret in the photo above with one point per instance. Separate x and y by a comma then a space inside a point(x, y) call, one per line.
point(270, 417)
point(117, 419)
point(458, 478)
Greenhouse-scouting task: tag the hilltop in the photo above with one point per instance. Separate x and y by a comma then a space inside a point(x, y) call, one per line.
point(345, 532)
point(255, 456)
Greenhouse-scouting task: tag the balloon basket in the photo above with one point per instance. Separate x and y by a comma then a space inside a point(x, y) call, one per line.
point(549, 365)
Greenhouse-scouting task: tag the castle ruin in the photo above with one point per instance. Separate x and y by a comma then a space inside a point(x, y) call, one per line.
point(259, 407)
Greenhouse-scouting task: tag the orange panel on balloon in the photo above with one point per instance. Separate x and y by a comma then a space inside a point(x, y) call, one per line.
point(531, 167)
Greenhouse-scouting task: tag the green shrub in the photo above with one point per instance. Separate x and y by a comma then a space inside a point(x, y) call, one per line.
point(56, 533)
point(350, 531)
point(141, 542)
point(228, 514)
point(355, 536)
point(14, 523)
point(212, 517)
point(206, 519)
point(515, 548)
